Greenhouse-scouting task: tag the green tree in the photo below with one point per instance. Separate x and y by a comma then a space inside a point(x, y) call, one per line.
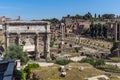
point(115, 46)
point(73, 17)
point(99, 16)
point(92, 30)
point(95, 16)
point(108, 16)
point(16, 52)
point(95, 30)
point(105, 31)
point(68, 15)
point(51, 43)
point(99, 30)
point(78, 16)
point(87, 16)
point(27, 70)
point(86, 32)
point(54, 20)
point(63, 62)
point(94, 62)
point(23, 42)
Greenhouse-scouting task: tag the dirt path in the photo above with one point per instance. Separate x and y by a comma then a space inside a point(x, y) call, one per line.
point(97, 77)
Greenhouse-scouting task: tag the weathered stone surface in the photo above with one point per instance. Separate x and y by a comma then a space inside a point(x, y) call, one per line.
point(17, 31)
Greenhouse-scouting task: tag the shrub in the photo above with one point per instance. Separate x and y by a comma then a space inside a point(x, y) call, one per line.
point(24, 75)
point(27, 70)
point(17, 75)
point(31, 66)
point(115, 59)
point(17, 53)
point(52, 56)
point(77, 49)
point(51, 43)
point(100, 64)
point(23, 42)
point(63, 62)
point(109, 68)
point(115, 46)
point(94, 62)
point(73, 51)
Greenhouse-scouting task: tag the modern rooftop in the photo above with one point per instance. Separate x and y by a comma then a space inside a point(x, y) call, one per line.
point(6, 69)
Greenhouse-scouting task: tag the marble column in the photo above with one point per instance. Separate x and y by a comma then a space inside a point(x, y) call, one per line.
point(48, 42)
point(62, 41)
point(48, 47)
point(18, 38)
point(116, 31)
point(119, 31)
point(7, 40)
point(45, 45)
point(37, 55)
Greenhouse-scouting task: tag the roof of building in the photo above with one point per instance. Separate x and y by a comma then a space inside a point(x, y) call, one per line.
point(6, 69)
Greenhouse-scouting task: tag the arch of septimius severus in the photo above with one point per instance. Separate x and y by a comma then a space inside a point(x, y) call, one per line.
point(39, 31)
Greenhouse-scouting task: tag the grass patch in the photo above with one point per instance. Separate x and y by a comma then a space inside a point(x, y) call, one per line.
point(100, 64)
point(109, 68)
point(94, 62)
point(52, 72)
point(63, 62)
point(115, 59)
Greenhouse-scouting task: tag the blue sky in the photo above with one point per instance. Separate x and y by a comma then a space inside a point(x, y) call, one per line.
point(39, 9)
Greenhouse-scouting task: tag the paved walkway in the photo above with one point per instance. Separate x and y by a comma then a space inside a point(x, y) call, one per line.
point(113, 63)
point(118, 77)
point(44, 64)
point(90, 49)
point(97, 77)
point(41, 64)
point(77, 58)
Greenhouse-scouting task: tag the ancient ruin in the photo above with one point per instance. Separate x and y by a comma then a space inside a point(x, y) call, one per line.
point(35, 33)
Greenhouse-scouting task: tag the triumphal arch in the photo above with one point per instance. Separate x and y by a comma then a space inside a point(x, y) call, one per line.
point(28, 33)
